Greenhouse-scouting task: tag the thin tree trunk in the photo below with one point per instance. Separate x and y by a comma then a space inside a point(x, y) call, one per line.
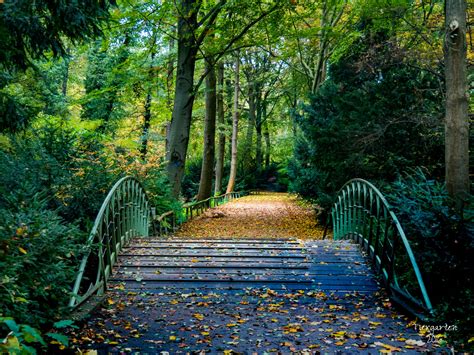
point(207, 168)
point(146, 124)
point(229, 95)
point(457, 124)
point(65, 74)
point(266, 135)
point(184, 96)
point(221, 122)
point(258, 127)
point(147, 113)
point(169, 85)
point(235, 129)
point(247, 154)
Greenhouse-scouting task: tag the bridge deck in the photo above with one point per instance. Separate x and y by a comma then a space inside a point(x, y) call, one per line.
point(157, 263)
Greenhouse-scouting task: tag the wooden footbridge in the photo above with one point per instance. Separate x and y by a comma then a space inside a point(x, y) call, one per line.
point(368, 250)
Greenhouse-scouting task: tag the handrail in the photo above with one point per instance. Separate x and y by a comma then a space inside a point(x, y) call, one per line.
point(124, 214)
point(169, 221)
point(362, 213)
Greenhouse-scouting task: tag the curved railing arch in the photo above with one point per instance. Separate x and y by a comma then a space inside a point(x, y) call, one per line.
point(363, 214)
point(124, 214)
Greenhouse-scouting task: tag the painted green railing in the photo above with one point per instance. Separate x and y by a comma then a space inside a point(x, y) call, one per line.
point(363, 214)
point(124, 214)
point(170, 221)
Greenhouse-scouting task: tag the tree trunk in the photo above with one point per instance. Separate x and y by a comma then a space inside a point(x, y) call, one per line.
point(147, 113)
point(258, 127)
point(146, 124)
point(247, 154)
point(266, 135)
point(207, 168)
point(457, 124)
point(66, 73)
point(229, 100)
point(184, 95)
point(235, 129)
point(221, 122)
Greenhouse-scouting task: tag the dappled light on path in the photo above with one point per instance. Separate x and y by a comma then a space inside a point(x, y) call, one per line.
point(264, 215)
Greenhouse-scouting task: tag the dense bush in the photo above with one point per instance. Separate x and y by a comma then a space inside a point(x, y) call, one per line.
point(443, 242)
point(38, 259)
point(375, 116)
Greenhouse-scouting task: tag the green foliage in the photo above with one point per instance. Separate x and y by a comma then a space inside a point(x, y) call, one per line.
point(24, 339)
point(38, 260)
point(443, 243)
point(30, 28)
point(376, 115)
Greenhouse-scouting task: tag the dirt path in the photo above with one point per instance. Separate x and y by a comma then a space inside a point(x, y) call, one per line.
point(266, 215)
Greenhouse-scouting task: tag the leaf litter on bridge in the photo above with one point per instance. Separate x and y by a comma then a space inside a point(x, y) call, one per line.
point(249, 321)
point(265, 215)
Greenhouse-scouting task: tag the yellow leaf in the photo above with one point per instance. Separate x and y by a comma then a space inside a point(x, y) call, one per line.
point(470, 340)
point(174, 301)
point(387, 347)
point(22, 250)
point(228, 352)
point(374, 324)
point(110, 301)
point(172, 337)
point(230, 325)
point(113, 342)
point(10, 343)
point(205, 333)
point(194, 260)
point(198, 316)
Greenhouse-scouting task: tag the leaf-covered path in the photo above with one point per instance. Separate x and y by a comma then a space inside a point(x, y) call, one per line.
point(264, 215)
point(183, 295)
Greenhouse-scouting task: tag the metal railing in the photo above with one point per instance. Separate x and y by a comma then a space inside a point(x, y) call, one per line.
point(124, 214)
point(169, 221)
point(363, 214)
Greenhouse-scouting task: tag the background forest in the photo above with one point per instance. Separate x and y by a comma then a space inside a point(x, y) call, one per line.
point(296, 96)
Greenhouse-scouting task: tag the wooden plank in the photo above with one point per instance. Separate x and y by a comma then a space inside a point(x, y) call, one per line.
point(199, 285)
point(221, 255)
point(213, 247)
point(227, 271)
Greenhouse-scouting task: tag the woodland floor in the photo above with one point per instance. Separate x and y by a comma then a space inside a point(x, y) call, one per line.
point(266, 215)
point(150, 319)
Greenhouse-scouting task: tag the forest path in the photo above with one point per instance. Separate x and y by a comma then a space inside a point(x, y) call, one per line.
point(240, 280)
point(263, 215)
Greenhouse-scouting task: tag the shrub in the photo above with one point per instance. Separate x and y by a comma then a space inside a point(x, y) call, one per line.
point(38, 258)
point(443, 243)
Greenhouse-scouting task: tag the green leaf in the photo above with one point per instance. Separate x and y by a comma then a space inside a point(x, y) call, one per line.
point(64, 340)
point(12, 325)
point(32, 335)
point(63, 324)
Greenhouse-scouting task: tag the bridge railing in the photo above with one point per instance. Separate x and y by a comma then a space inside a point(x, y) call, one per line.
point(124, 214)
point(169, 222)
point(363, 214)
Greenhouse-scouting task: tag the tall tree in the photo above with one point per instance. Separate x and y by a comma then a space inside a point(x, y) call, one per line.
point(221, 123)
point(235, 128)
point(456, 124)
point(205, 183)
